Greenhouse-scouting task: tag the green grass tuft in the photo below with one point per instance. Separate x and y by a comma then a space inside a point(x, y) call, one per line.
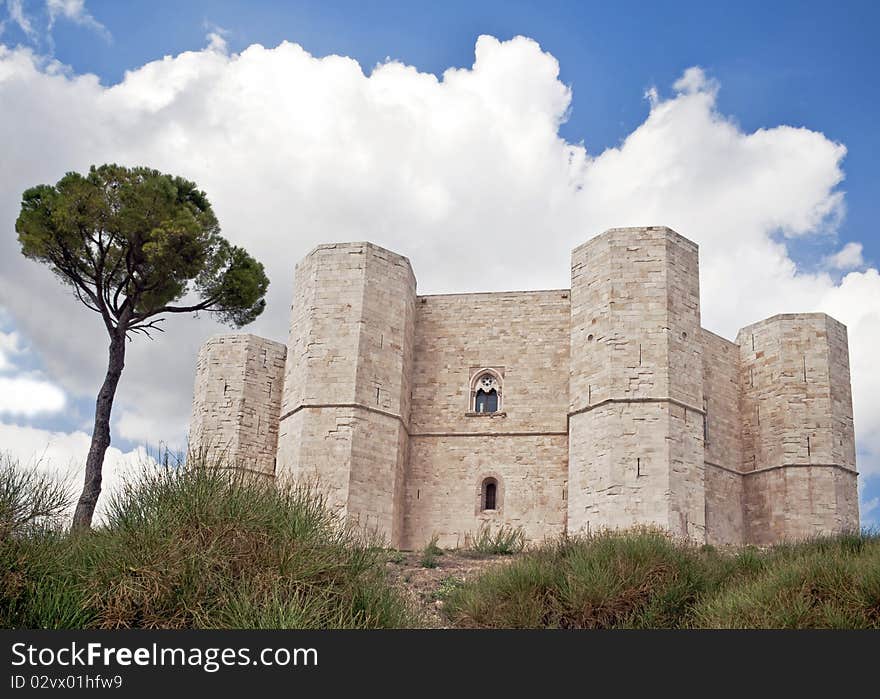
point(201, 547)
point(504, 541)
point(644, 579)
point(430, 553)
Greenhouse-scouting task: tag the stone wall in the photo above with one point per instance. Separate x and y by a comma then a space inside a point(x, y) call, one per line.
point(722, 440)
point(237, 401)
point(524, 337)
point(843, 440)
point(797, 502)
point(725, 524)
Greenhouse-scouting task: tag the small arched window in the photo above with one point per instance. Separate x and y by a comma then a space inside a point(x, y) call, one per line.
point(489, 497)
point(486, 393)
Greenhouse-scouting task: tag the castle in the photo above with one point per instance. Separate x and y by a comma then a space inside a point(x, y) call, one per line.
point(601, 406)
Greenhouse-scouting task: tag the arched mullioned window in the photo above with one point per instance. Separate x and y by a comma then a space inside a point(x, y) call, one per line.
point(489, 495)
point(486, 402)
point(486, 393)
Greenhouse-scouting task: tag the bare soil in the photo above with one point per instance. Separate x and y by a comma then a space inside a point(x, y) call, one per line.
point(426, 587)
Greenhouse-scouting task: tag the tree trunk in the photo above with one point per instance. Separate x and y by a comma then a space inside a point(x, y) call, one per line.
point(85, 508)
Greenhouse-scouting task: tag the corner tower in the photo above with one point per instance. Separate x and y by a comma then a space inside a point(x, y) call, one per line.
point(345, 411)
point(636, 384)
point(236, 402)
point(798, 439)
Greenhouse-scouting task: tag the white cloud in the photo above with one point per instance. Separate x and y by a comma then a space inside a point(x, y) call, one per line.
point(17, 15)
point(37, 27)
point(76, 12)
point(216, 37)
point(694, 80)
point(9, 346)
point(21, 392)
point(848, 257)
point(63, 456)
point(21, 395)
point(295, 150)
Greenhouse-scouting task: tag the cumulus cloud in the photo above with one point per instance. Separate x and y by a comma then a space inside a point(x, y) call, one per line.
point(9, 346)
point(24, 393)
point(848, 257)
point(62, 455)
point(693, 80)
point(295, 150)
point(21, 395)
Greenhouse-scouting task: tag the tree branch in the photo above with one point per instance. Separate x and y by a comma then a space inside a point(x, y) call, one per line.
point(203, 306)
point(147, 328)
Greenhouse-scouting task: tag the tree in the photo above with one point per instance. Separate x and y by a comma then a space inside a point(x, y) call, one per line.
point(135, 244)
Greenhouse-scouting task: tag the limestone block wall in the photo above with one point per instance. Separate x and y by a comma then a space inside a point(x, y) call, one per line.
point(843, 439)
point(722, 440)
point(797, 450)
point(524, 337)
point(237, 401)
point(636, 393)
point(345, 411)
point(725, 500)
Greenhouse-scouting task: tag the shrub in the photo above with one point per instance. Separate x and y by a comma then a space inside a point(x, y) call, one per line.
point(29, 500)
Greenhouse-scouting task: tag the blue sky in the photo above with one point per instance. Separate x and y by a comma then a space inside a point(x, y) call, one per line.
point(801, 64)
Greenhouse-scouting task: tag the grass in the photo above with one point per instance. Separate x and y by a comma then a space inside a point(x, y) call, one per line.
point(504, 541)
point(430, 553)
point(200, 548)
point(643, 579)
point(30, 502)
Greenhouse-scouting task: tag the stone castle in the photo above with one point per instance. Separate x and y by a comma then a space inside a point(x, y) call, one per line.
point(601, 406)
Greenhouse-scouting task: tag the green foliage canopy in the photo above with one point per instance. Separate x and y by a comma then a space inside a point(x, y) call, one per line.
point(134, 242)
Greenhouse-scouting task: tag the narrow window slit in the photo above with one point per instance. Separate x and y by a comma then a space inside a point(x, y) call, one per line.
point(489, 494)
point(705, 421)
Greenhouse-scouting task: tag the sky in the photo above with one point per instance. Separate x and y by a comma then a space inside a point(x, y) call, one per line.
point(448, 132)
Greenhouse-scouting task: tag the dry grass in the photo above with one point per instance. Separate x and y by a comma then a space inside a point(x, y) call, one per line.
point(201, 547)
point(643, 579)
